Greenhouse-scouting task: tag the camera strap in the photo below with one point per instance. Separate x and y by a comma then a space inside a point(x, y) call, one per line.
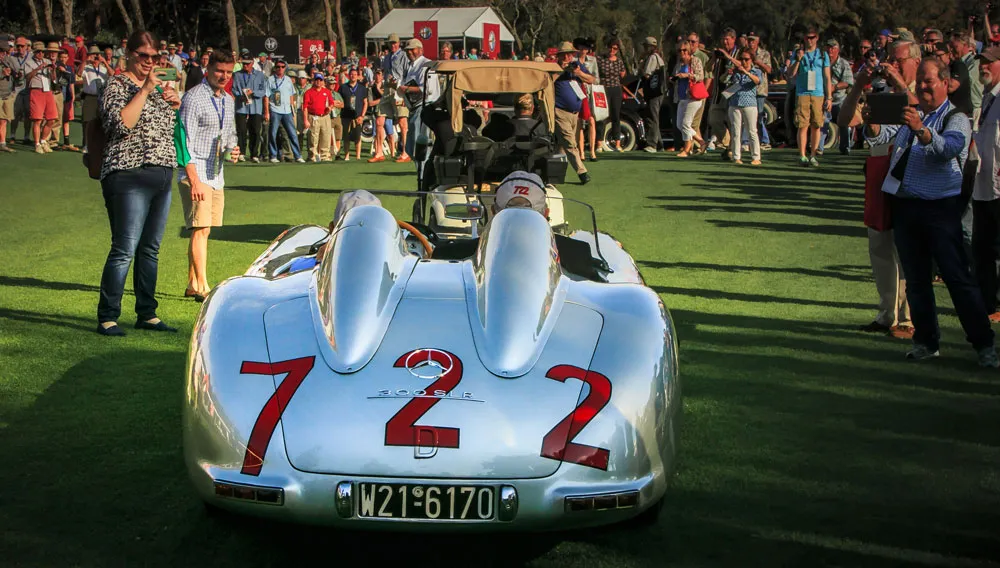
point(899, 170)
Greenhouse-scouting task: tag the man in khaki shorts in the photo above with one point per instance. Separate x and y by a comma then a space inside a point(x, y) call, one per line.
point(396, 64)
point(8, 70)
point(209, 117)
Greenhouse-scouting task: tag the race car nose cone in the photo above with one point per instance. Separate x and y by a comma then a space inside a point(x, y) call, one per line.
point(508, 504)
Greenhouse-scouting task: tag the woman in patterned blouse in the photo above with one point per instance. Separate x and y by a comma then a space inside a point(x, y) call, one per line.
point(743, 105)
point(612, 70)
point(137, 115)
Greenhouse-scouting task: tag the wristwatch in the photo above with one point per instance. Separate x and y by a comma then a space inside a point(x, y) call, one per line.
point(920, 133)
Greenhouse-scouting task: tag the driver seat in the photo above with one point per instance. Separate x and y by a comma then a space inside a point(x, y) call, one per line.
point(499, 128)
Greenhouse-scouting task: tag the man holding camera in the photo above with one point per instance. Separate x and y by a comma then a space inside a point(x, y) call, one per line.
point(813, 95)
point(569, 97)
point(720, 79)
point(930, 145)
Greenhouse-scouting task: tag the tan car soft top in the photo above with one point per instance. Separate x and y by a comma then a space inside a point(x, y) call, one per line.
point(498, 77)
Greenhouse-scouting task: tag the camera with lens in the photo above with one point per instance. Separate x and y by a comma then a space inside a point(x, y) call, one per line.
point(720, 52)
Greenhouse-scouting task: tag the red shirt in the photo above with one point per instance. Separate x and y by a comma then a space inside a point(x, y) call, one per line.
point(317, 101)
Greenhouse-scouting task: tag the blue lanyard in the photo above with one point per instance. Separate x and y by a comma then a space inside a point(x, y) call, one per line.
point(220, 109)
point(277, 85)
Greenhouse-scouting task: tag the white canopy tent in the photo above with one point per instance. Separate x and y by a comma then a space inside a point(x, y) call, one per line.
point(454, 24)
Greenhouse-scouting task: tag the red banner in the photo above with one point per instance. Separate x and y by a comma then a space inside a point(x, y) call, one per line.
point(309, 47)
point(427, 33)
point(491, 41)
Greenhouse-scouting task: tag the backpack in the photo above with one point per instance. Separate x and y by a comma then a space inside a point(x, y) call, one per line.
point(656, 85)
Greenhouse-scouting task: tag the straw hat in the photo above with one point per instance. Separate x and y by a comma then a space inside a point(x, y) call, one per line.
point(566, 47)
point(53, 46)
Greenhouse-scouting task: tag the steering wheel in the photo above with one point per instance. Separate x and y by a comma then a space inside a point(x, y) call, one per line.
point(428, 249)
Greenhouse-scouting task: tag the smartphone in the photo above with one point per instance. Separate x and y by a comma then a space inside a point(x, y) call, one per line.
point(166, 73)
point(887, 108)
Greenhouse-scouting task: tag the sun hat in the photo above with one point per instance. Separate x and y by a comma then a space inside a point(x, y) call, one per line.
point(414, 43)
point(393, 38)
point(566, 47)
point(53, 46)
point(93, 50)
point(650, 40)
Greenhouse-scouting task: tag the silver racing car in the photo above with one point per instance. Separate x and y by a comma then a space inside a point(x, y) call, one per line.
point(515, 379)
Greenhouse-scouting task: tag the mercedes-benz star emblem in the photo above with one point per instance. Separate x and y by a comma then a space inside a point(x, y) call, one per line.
point(270, 44)
point(421, 364)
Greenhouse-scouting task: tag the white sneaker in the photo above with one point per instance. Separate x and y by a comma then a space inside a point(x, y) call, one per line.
point(275, 161)
point(255, 160)
point(650, 149)
point(710, 147)
point(243, 158)
point(300, 161)
point(46, 147)
point(39, 149)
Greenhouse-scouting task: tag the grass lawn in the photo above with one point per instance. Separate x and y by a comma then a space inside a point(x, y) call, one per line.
point(805, 442)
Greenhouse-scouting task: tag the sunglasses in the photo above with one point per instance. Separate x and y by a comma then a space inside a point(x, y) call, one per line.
point(811, 37)
point(22, 45)
point(145, 56)
point(745, 59)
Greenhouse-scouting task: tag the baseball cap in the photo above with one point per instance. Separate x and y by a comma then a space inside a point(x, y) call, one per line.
point(414, 44)
point(832, 43)
point(521, 185)
point(318, 76)
point(244, 52)
point(885, 33)
point(650, 40)
point(79, 39)
point(903, 35)
point(262, 54)
point(990, 54)
point(753, 35)
point(351, 199)
point(393, 38)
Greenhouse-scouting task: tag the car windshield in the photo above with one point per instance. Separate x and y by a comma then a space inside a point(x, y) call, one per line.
point(568, 217)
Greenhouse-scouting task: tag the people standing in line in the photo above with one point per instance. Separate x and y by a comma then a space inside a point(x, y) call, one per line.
point(208, 114)
point(569, 97)
point(317, 103)
point(93, 78)
point(139, 157)
point(8, 76)
point(355, 100)
point(282, 93)
point(652, 85)
point(743, 107)
point(762, 60)
point(841, 80)
point(986, 191)
point(612, 70)
point(687, 71)
point(396, 64)
point(40, 75)
point(585, 56)
point(811, 72)
point(927, 207)
point(252, 109)
point(720, 78)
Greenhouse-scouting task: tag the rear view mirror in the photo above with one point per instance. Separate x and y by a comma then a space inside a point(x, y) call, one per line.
point(463, 211)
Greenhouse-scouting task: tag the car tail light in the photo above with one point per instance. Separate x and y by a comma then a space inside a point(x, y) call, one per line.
point(623, 500)
point(252, 493)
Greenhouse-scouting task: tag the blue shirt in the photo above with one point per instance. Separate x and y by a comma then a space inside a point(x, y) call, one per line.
point(682, 85)
point(746, 96)
point(285, 86)
point(932, 172)
point(256, 82)
point(815, 61)
point(566, 98)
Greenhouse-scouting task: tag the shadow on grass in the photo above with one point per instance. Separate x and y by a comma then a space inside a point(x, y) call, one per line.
point(829, 230)
point(846, 273)
point(390, 174)
point(61, 320)
point(741, 297)
point(262, 233)
point(280, 189)
point(27, 282)
point(817, 213)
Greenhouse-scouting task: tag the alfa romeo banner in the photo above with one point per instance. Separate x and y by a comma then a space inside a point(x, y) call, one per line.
point(491, 41)
point(278, 47)
point(427, 33)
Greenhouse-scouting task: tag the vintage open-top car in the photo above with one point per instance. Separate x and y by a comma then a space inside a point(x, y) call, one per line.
point(531, 385)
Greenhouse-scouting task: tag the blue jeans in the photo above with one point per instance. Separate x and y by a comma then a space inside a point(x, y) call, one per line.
point(138, 202)
point(928, 232)
point(288, 123)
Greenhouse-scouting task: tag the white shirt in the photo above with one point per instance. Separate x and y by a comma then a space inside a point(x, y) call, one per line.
point(42, 80)
point(987, 187)
point(419, 76)
point(94, 79)
point(177, 62)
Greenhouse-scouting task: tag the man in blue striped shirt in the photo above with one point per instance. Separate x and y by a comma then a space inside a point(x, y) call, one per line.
point(925, 180)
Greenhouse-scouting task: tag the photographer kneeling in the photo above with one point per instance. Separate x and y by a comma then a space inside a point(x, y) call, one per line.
point(925, 184)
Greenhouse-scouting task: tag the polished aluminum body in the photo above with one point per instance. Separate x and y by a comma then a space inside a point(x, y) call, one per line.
point(495, 353)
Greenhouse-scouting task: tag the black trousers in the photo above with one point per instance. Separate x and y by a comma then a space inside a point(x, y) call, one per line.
point(653, 135)
point(929, 232)
point(614, 95)
point(248, 131)
point(986, 249)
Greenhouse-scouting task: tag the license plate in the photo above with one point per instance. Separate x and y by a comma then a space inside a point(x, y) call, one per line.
point(426, 502)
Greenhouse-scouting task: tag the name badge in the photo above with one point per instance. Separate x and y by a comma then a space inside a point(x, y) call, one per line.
point(811, 80)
